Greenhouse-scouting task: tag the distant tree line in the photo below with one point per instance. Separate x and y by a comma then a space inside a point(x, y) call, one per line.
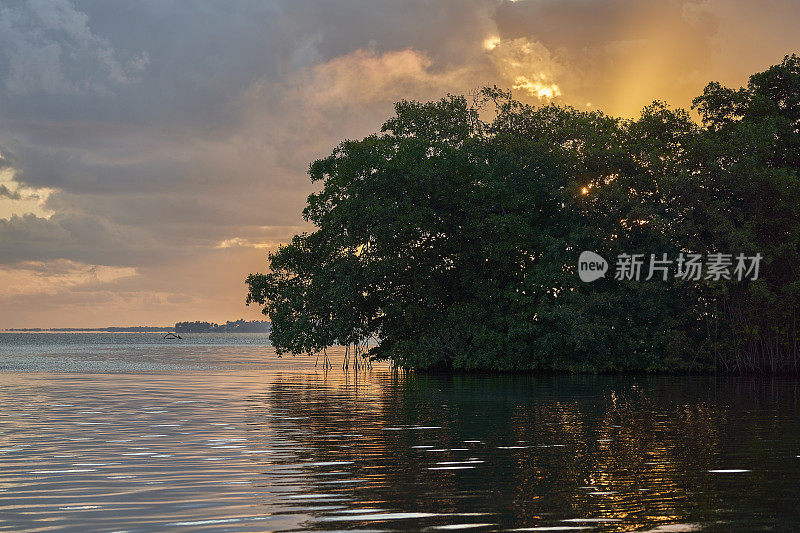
point(236, 326)
point(111, 329)
point(450, 241)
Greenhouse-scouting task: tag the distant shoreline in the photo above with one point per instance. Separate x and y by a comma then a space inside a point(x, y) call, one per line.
point(237, 326)
point(95, 330)
point(121, 329)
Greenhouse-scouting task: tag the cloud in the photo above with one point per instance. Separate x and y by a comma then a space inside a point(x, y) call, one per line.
point(44, 40)
point(16, 197)
point(528, 65)
point(38, 278)
point(235, 242)
point(365, 77)
point(10, 195)
point(175, 141)
point(76, 237)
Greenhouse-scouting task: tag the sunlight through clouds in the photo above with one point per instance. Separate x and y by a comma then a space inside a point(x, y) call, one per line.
point(490, 43)
point(369, 76)
point(526, 65)
point(238, 241)
point(17, 198)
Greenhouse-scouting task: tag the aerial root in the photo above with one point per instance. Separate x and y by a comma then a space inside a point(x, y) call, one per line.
point(356, 355)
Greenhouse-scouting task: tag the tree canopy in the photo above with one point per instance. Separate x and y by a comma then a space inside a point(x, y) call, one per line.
point(450, 241)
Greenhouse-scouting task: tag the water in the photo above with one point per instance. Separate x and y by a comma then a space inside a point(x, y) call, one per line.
point(113, 432)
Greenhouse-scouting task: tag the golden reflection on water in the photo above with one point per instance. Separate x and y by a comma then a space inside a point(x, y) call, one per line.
point(633, 451)
point(239, 440)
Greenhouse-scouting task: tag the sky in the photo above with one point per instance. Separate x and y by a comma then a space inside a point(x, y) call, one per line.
point(153, 152)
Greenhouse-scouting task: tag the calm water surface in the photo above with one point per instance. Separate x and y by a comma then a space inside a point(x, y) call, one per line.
point(113, 432)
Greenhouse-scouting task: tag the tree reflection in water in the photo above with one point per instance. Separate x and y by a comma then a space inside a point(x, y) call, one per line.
point(600, 452)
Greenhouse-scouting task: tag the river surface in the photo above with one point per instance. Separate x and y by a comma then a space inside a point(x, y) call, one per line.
point(129, 432)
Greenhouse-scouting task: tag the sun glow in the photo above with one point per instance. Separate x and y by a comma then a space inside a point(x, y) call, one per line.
point(238, 242)
point(490, 43)
point(538, 87)
point(19, 199)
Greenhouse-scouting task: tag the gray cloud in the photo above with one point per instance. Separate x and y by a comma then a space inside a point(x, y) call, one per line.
point(75, 236)
point(11, 195)
point(49, 48)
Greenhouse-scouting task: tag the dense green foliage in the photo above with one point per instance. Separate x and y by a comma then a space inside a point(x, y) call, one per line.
point(452, 241)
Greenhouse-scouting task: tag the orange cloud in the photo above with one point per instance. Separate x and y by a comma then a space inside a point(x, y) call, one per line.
point(38, 278)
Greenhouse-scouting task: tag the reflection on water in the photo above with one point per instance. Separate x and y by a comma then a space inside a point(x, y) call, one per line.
point(219, 436)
